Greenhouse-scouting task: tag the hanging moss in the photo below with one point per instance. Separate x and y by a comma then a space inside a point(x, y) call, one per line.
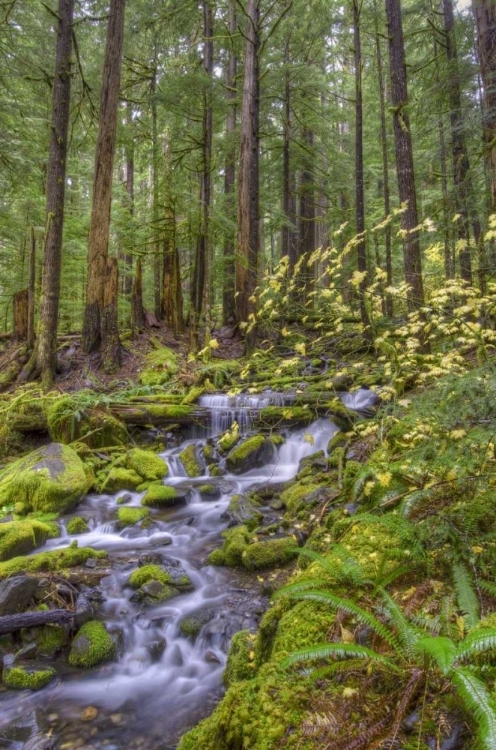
point(91, 646)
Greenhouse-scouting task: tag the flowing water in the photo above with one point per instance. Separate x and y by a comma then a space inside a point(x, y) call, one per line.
point(162, 682)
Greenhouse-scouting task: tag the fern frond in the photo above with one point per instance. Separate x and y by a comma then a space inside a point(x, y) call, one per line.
point(477, 700)
point(489, 587)
point(339, 667)
point(440, 648)
point(414, 499)
point(384, 581)
point(343, 566)
point(349, 606)
point(466, 594)
point(476, 643)
point(324, 650)
point(363, 477)
point(407, 633)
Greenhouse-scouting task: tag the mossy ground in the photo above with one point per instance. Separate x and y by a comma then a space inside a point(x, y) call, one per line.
point(70, 557)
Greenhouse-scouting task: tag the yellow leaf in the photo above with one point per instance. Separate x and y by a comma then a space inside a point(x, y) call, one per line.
point(214, 344)
point(309, 438)
point(347, 636)
point(349, 692)
point(301, 348)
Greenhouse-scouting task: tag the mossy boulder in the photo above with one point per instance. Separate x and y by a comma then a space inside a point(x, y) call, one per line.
point(119, 479)
point(249, 454)
point(300, 494)
point(228, 440)
point(95, 427)
point(243, 510)
point(160, 365)
point(192, 461)
point(131, 516)
point(147, 464)
point(235, 542)
point(240, 663)
point(50, 479)
point(162, 496)
point(92, 645)
point(148, 573)
point(27, 677)
point(22, 537)
point(77, 525)
point(60, 559)
point(153, 593)
point(191, 625)
point(51, 640)
point(209, 492)
point(270, 554)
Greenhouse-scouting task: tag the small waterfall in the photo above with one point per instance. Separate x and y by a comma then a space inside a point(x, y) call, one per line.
point(224, 410)
point(362, 400)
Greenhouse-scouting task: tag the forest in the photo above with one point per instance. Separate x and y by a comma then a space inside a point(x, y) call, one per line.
point(247, 375)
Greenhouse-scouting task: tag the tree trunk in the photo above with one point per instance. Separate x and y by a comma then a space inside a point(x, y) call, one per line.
point(111, 347)
point(485, 17)
point(248, 187)
point(102, 183)
point(306, 229)
point(201, 265)
point(288, 235)
point(45, 358)
point(127, 257)
point(359, 191)
point(31, 289)
point(228, 300)
point(13, 623)
point(404, 156)
point(158, 262)
point(21, 315)
point(137, 312)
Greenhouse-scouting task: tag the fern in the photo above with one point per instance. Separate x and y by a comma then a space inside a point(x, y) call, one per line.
point(324, 650)
point(407, 633)
point(478, 702)
point(466, 595)
point(440, 648)
point(476, 643)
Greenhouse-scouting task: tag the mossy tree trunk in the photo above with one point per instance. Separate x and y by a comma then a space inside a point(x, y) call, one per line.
point(21, 315)
point(45, 358)
point(137, 312)
point(111, 346)
point(102, 183)
point(228, 299)
point(31, 289)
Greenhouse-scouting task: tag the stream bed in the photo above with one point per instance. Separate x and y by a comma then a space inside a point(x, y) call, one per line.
point(162, 682)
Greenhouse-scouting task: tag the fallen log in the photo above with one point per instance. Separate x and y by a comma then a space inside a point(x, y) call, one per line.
point(11, 623)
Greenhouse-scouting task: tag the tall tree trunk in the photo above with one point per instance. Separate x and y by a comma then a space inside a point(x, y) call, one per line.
point(248, 188)
point(289, 235)
point(359, 190)
point(111, 346)
point(158, 262)
point(31, 289)
point(385, 169)
point(461, 165)
point(21, 315)
point(307, 227)
point(201, 265)
point(102, 183)
point(137, 311)
point(485, 17)
point(228, 299)
point(127, 257)
point(46, 346)
point(404, 156)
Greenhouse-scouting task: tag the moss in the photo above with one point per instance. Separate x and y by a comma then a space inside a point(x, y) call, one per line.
point(170, 411)
point(160, 366)
point(91, 646)
point(155, 592)
point(59, 559)
point(21, 537)
point(50, 479)
point(305, 624)
point(216, 557)
point(51, 640)
point(27, 677)
point(369, 541)
point(131, 516)
point(77, 525)
point(147, 464)
point(161, 495)
point(147, 573)
point(269, 554)
point(95, 427)
point(277, 439)
point(243, 510)
point(120, 479)
point(191, 625)
point(228, 440)
point(236, 541)
point(275, 415)
point(193, 395)
point(252, 452)
point(190, 459)
point(240, 661)
point(343, 417)
point(338, 440)
point(209, 490)
point(299, 495)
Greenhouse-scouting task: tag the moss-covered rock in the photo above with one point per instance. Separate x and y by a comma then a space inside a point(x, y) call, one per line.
point(59, 559)
point(22, 537)
point(147, 464)
point(272, 416)
point(119, 479)
point(131, 516)
point(77, 525)
point(269, 554)
point(236, 541)
point(160, 366)
point(216, 557)
point(51, 640)
point(299, 495)
point(209, 492)
point(50, 479)
point(147, 573)
point(249, 454)
point(243, 510)
point(191, 625)
point(191, 460)
point(153, 593)
point(27, 677)
point(95, 427)
point(92, 645)
point(162, 496)
point(228, 440)
point(240, 661)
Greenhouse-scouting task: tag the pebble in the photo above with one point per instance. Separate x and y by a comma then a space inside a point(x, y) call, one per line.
point(89, 714)
point(116, 719)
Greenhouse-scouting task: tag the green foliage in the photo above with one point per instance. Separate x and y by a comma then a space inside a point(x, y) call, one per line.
point(77, 525)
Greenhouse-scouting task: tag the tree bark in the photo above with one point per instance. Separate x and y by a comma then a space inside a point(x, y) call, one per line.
point(158, 262)
point(288, 235)
point(21, 315)
point(31, 289)
point(127, 257)
point(306, 218)
point(45, 357)
point(12, 623)
point(228, 299)
point(111, 346)
point(102, 183)
point(248, 184)
point(404, 156)
point(485, 18)
point(137, 312)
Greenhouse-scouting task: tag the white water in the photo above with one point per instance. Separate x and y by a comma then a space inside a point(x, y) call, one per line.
point(161, 697)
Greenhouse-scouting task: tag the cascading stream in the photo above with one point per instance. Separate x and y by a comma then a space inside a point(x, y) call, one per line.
point(162, 682)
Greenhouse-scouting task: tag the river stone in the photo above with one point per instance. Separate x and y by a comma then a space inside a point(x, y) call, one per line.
point(252, 453)
point(84, 610)
point(16, 594)
point(156, 648)
point(209, 492)
point(191, 625)
point(50, 479)
point(242, 510)
point(178, 575)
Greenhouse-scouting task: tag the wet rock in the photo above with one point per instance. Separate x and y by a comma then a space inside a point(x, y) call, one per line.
point(178, 575)
point(16, 593)
point(92, 645)
point(26, 653)
point(40, 742)
point(316, 461)
point(125, 498)
point(209, 492)
point(276, 504)
point(156, 648)
point(29, 676)
point(191, 625)
point(84, 610)
point(251, 453)
point(211, 657)
point(89, 714)
point(242, 510)
point(90, 563)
